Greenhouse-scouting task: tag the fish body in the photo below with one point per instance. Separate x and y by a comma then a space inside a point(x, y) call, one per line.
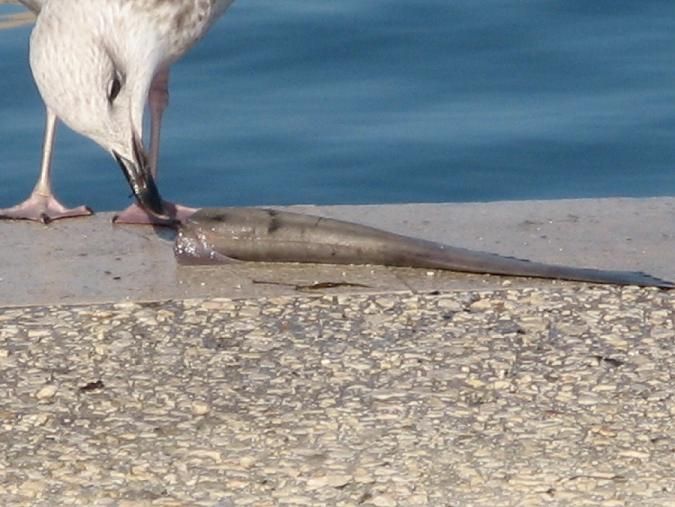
point(222, 235)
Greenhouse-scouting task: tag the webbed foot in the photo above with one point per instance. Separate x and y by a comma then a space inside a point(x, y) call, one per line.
point(134, 214)
point(43, 208)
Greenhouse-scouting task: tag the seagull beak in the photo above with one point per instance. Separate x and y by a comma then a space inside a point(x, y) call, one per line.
point(139, 176)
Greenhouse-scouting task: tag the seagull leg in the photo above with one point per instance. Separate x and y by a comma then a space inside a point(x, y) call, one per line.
point(158, 99)
point(42, 205)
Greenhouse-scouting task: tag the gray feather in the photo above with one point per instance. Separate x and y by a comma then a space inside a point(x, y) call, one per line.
point(33, 5)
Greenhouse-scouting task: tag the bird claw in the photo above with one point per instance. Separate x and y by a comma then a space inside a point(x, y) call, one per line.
point(135, 215)
point(44, 209)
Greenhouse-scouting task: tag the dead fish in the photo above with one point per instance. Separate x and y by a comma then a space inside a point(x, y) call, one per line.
point(225, 235)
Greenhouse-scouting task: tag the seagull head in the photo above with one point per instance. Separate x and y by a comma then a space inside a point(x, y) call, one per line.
point(95, 73)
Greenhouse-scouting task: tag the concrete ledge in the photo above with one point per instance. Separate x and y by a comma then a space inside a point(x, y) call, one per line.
point(428, 388)
point(91, 261)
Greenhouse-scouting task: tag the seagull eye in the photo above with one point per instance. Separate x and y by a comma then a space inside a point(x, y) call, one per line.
point(114, 88)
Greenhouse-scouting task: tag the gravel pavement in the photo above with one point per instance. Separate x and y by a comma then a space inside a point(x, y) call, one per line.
point(552, 395)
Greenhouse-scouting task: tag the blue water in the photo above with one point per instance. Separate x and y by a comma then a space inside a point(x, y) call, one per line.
point(384, 101)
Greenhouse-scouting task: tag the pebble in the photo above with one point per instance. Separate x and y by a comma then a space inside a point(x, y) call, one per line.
point(207, 454)
point(200, 408)
point(634, 454)
point(450, 305)
point(481, 305)
point(47, 392)
point(32, 488)
point(383, 501)
point(362, 476)
point(339, 480)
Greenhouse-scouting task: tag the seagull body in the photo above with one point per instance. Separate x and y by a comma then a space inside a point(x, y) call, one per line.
point(97, 63)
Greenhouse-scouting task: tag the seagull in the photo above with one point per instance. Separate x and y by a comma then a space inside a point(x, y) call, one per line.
point(96, 64)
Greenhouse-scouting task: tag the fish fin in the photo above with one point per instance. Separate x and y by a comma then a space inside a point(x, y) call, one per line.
point(646, 280)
